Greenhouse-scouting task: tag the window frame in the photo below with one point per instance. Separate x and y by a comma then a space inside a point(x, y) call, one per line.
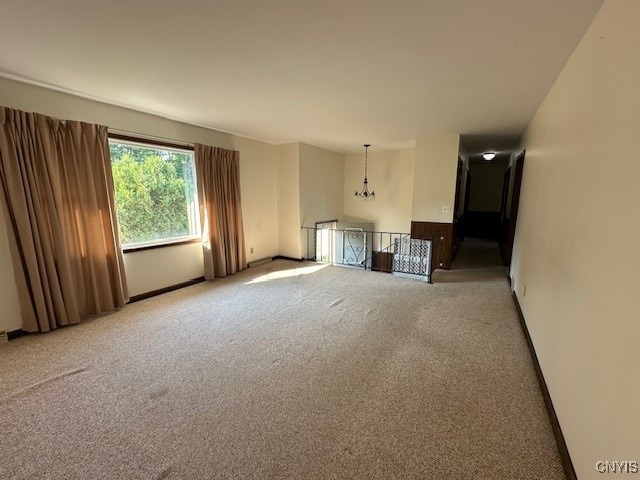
point(167, 145)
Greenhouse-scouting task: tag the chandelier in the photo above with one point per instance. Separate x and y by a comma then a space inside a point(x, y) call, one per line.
point(364, 193)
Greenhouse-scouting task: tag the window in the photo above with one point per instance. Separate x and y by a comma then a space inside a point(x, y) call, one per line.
point(155, 189)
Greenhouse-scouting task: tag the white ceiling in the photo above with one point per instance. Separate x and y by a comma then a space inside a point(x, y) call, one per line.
point(331, 73)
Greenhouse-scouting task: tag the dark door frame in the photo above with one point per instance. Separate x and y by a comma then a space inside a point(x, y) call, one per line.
point(507, 250)
point(458, 221)
point(504, 221)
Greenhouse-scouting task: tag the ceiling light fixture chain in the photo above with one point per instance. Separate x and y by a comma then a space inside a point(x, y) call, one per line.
point(364, 193)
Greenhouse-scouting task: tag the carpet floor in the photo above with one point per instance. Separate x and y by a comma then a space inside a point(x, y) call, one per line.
point(287, 370)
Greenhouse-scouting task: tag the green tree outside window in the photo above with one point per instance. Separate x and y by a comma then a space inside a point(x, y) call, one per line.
point(155, 193)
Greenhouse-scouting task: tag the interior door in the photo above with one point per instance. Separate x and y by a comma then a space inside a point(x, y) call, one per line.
point(504, 220)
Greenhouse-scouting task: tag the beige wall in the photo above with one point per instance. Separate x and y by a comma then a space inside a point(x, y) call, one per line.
point(258, 185)
point(434, 180)
point(321, 185)
point(321, 190)
point(288, 185)
point(391, 176)
point(576, 247)
point(151, 270)
point(257, 180)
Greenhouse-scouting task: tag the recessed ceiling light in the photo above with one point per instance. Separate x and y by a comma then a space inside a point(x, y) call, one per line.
point(489, 156)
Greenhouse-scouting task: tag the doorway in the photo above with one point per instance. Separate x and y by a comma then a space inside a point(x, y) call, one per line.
point(324, 239)
point(511, 202)
point(483, 210)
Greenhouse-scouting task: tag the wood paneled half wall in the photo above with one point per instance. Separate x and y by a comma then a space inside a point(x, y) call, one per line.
point(441, 236)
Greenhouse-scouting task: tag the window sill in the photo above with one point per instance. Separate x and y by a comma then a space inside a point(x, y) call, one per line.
point(153, 246)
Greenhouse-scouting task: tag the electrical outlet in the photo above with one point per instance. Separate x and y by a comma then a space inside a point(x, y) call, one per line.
point(251, 250)
point(524, 292)
point(446, 209)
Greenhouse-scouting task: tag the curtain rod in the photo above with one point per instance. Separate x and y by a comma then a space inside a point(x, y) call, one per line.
point(145, 136)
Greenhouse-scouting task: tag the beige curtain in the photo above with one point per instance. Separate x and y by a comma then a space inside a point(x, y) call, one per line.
point(218, 173)
point(57, 192)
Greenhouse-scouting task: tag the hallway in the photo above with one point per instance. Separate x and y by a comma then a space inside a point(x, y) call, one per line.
point(477, 260)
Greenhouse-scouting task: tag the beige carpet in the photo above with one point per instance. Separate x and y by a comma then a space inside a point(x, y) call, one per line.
point(288, 370)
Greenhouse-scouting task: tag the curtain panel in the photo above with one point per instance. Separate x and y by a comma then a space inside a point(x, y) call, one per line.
point(57, 191)
point(218, 172)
